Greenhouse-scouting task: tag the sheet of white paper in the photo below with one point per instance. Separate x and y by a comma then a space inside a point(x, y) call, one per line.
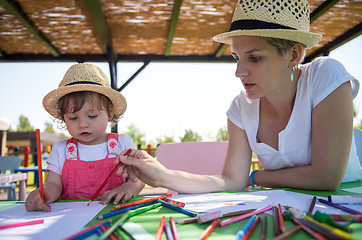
point(65, 219)
point(231, 202)
point(355, 190)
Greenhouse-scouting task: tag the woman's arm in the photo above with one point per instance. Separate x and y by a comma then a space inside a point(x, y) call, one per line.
point(332, 129)
point(234, 176)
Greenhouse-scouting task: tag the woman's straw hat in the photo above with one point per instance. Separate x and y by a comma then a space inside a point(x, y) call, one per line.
point(283, 19)
point(84, 77)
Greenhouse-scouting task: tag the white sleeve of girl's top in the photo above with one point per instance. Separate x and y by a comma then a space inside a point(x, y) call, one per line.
point(56, 157)
point(326, 75)
point(125, 142)
point(234, 112)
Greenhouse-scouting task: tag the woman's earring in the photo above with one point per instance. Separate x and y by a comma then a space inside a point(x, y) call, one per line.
point(292, 74)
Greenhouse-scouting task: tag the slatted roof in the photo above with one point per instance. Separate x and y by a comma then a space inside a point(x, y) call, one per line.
point(145, 30)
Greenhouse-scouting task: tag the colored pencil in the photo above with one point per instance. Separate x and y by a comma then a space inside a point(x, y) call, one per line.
point(176, 203)
point(243, 230)
point(251, 228)
point(241, 217)
point(308, 230)
point(160, 228)
point(209, 229)
point(288, 233)
point(263, 227)
point(281, 219)
point(179, 209)
point(124, 231)
point(119, 222)
point(144, 209)
point(230, 214)
point(123, 210)
point(335, 232)
point(111, 236)
point(335, 205)
point(40, 162)
point(311, 207)
point(356, 218)
point(86, 232)
point(176, 236)
point(106, 180)
point(168, 232)
point(21, 224)
point(276, 221)
point(124, 205)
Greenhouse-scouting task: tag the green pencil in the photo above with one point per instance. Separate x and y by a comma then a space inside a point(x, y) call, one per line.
point(144, 209)
point(120, 221)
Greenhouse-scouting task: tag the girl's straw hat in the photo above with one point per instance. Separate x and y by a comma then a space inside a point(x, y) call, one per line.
point(283, 19)
point(84, 77)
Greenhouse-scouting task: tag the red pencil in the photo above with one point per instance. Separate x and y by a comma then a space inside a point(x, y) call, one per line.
point(176, 236)
point(251, 228)
point(105, 180)
point(209, 229)
point(39, 158)
point(160, 228)
point(281, 219)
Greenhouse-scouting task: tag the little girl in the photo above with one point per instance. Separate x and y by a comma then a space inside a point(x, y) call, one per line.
point(85, 102)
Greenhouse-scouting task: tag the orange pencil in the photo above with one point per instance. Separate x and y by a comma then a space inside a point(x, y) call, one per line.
point(160, 228)
point(281, 219)
point(124, 205)
point(105, 180)
point(39, 158)
point(209, 229)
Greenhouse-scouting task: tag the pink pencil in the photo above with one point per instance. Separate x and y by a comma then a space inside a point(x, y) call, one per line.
point(21, 224)
point(241, 217)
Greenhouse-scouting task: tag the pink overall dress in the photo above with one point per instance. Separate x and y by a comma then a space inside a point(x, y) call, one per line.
point(81, 179)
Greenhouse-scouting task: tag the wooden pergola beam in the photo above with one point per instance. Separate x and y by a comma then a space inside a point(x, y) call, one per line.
point(339, 41)
point(173, 24)
point(14, 8)
point(322, 9)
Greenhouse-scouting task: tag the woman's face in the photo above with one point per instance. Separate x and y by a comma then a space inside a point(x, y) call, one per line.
point(261, 68)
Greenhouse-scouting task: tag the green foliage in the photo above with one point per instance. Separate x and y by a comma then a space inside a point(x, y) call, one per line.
point(190, 136)
point(24, 125)
point(49, 128)
point(135, 133)
point(165, 139)
point(222, 134)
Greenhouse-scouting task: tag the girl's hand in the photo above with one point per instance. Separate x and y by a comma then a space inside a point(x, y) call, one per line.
point(34, 202)
point(122, 193)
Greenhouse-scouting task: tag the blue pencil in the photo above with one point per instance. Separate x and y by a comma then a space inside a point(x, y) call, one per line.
point(123, 210)
point(179, 209)
point(242, 231)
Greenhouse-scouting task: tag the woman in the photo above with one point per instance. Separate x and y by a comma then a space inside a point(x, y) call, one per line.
point(297, 118)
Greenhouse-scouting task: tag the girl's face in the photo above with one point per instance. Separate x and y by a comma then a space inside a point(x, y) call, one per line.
point(260, 67)
point(88, 125)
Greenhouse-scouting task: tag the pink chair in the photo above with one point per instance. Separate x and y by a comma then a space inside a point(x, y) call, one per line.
point(193, 157)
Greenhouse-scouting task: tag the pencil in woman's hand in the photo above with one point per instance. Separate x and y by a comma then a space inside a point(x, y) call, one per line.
point(105, 180)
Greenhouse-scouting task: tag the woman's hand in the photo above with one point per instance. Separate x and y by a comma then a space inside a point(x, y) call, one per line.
point(140, 165)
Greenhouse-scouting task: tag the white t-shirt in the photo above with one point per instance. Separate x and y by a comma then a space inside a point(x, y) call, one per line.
point(96, 152)
point(317, 80)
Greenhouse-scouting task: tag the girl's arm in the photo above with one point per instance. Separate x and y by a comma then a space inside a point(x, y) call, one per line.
point(53, 188)
point(234, 177)
point(332, 130)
